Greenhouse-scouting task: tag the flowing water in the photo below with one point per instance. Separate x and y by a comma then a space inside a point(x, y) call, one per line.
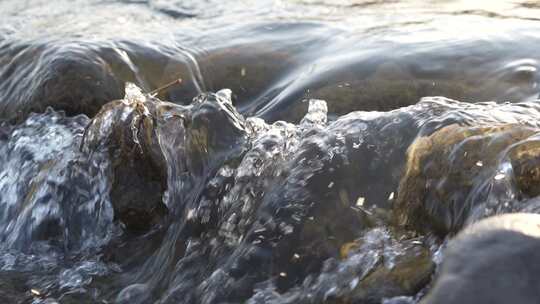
point(302, 159)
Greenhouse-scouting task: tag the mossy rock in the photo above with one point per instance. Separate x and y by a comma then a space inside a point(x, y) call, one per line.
point(445, 171)
point(410, 272)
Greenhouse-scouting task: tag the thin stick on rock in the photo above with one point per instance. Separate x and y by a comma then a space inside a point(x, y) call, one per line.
point(164, 87)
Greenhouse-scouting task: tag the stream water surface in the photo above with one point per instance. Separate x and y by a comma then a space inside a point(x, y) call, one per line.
point(314, 151)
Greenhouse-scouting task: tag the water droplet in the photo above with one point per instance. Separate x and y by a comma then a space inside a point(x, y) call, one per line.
point(363, 126)
point(499, 176)
point(360, 201)
point(353, 283)
point(191, 214)
point(286, 229)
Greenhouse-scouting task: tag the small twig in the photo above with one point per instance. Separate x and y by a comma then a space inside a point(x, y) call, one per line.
point(164, 87)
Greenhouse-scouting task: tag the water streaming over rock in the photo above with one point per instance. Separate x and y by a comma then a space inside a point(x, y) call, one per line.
point(298, 161)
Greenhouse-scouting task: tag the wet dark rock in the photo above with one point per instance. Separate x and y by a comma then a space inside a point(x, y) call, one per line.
point(494, 261)
point(133, 131)
point(125, 131)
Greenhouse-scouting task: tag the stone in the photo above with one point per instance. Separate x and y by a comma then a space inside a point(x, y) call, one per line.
point(456, 171)
point(493, 261)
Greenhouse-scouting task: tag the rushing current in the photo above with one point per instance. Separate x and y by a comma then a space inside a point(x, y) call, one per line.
point(269, 151)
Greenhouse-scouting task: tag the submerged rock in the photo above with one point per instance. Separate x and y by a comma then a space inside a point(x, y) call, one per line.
point(410, 272)
point(72, 77)
point(376, 266)
point(493, 261)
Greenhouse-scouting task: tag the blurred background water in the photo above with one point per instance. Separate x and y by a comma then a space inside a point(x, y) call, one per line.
point(368, 55)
